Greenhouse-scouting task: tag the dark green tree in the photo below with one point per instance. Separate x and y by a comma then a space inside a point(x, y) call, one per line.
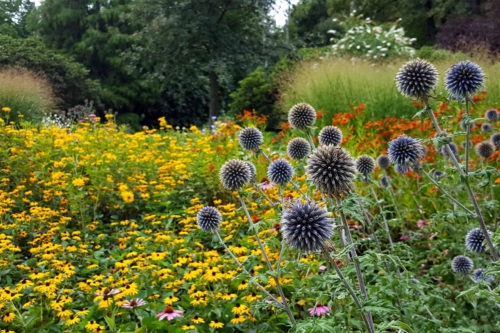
point(208, 44)
point(13, 17)
point(96, 33)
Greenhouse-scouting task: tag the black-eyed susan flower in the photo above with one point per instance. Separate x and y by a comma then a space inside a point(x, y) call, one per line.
point(216, 324)
point(169, 300)
point(238, 319)
point(197, 320)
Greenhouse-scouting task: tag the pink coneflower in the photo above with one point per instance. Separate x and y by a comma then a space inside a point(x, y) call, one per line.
point(421, 224)
point(319, 310)
point(322, 268)
point(169, 313)
point(268, 185)
point(134, 303)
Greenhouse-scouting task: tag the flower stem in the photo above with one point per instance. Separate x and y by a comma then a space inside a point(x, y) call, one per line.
point(269, 265)
point(386, 225)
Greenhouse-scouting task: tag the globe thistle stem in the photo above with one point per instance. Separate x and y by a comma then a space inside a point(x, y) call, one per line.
point(458, 203)
point(366, 316)
point(268, 262)
point(355, 258)
point(464, 176)
point(467, 147)
point(265, 195)
point(386, 225)
point(341, 233)
point(265, 155)
point(311, 142)
point(246, 272)
point(398, 213)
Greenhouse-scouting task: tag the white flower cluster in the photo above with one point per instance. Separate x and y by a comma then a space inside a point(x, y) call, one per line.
point(56, 120)
point(374, 42)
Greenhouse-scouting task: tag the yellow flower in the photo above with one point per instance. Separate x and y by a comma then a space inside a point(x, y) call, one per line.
point(8, 317)
point(127, 196)
point(239, 309)
point(130, 289)
point(188, 327)
point(238, 319)
point(6, 109)
point(216, 324)
point(92, 325)
point(78, 182)
point(170, 300)
point(197, 320)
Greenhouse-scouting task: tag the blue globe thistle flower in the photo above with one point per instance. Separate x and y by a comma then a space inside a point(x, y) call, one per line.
point(478, 276)
point(453, 148)
point(306, 226)
point(417, 79)
point(209, 219)
point(383, 161)
point(486, 128)
point(301, 116)
point(484, 149)
point(437, 174)
point(280, 172)
point(332, 170)
point(251, 138)
point(384, 181)
point(365, 165)
point(234, 174)
point(463, 79)
point(405, 151)
point(491, 115)
point(401, 168)
point(330, 135)
point(298, 148)
point(495, 140)
point(474, 241)
point(462, 265)
point(253, 170)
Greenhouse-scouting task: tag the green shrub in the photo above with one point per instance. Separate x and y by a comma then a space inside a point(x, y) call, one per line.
point(25, 94)
point(68, 78)
point(132, 120)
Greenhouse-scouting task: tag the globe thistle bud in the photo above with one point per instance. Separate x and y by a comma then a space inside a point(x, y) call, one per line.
point(234, 174)
point(491, 115)
point(462, 265)
point(463, 79)
point(384, 181)
point(298, 148)
point(417, 79)
point(401, 168)
point(251, 138)
point(478, 276)
point(383, 161)
point(330, 136)
point(437, 174)
point(453, 148)
point(280, 172)
point(474, 241)
point(495, 140)
point(484, 149)
point(463, 126)
point(301, 116)
point(306, 226)
point(209, 219)
point(331, 169)
point(365, 165)
point(253, 170)
point(405, 151)
point(486, 128)
point(464, 144)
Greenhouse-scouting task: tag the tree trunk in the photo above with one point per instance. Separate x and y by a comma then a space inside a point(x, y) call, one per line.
point(214, 93)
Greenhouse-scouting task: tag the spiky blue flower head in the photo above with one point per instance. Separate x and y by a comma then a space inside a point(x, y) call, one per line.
point(253, 170)
point(474, 241)
point(234, 174)
point(306, 226)
point(405, 151)
point(209, 219)
point(417, 79)
point(438, 174)
point(491, 115)
point(298, 148)
point(484, 149)
point(330, 135)
point(332, 170)
point(463, 79)
point(401, 168)
point(384, 181)
point(280, 172)
point(478, 276)
point(383, 161)
point(453, 148)
point(301, 116)
point(495, 140)
point(251, 138)
point(485, 128)
point(462, 265)
point(365, 164)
